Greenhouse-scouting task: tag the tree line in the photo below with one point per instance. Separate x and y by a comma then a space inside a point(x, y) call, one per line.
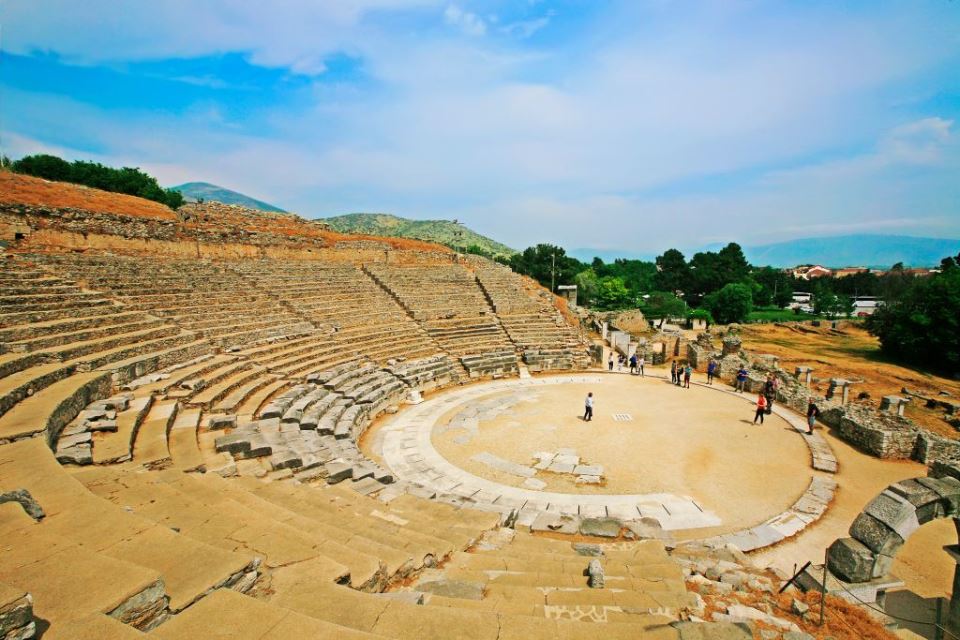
point(129, 180)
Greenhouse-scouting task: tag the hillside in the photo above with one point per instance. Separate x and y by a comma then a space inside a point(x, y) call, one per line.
point(194, 191)
point(446, 232)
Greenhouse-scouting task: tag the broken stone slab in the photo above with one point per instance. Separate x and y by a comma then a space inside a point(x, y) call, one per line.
point(557, 467)
point(534, 483)
point(233, 443)
point(589, 480)
point(101, 425)
point(894, 511)
point(556, 523)
point(601, 527)
point(595, 578)
point(588, 470)
point(80, 454)
point(219, 422)
point(743, 613)
point(588, 549)
point(84, 437)
point(338, 472)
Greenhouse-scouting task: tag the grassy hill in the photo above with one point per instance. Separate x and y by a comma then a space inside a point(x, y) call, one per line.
point(193, 191)
point(446, 232)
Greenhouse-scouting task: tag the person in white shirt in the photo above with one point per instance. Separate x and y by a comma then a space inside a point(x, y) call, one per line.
point(640, 365)
point(588, 411)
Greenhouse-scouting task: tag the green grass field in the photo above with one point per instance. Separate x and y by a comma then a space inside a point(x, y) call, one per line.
point(774, 314)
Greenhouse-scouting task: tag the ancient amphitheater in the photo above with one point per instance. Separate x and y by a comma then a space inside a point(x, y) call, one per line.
point(216, 423)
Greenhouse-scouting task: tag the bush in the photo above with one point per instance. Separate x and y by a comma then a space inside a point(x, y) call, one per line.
point(733, 303)
point(128, 180)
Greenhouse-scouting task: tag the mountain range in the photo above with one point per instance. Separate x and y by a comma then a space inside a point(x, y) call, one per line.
point(194, 191)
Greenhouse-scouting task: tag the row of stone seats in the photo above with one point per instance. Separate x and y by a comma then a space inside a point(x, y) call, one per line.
point(527, 314)
point(65, 347)
point(200, 296)
point(491, 363)
point(346, 304)
point(515, 572)
point(85, 557)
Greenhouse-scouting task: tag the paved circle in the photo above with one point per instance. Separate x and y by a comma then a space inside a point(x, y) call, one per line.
point(688, 458)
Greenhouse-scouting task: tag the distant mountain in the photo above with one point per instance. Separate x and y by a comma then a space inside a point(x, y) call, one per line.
point(193, 191)
point(863, 250)
point(586, 254)
point(446, 232)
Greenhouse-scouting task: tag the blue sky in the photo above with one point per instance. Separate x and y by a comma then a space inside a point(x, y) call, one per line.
point(628, 126)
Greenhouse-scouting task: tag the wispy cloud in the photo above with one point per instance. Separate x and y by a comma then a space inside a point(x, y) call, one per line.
point(619, 124)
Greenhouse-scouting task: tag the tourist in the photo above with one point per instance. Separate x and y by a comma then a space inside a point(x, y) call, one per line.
point(673, 372)
point(761, 408)
point(610, 362)
point(813, 412)
point(588, 410)
point(633, 364)
point(770, 392)
point(741, 379)
point(687, 372)
point(679, 380)
point(620, 360)
point(711, 369)
point(640, 365)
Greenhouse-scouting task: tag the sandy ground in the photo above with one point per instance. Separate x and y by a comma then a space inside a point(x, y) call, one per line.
point(854, 354)
point(698, 442)
point(688, 442)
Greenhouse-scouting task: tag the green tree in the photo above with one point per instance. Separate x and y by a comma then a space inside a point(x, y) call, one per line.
point(128, 180)
point(673, 272)
point(587, 284)
point(612, 293)
point(923, 326)
point(773, 287)
point(663, 304)
point(538, 262)
point(732, 303)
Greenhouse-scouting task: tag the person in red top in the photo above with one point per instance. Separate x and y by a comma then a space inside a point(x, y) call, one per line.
point(761, 408)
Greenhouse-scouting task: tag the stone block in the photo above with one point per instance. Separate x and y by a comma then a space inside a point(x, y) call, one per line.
point(895, 512)
point(338, 472)
point(948, 489)
point(851, 560)
point(595, 575)
point(928, 503)
point(602, 527)
point(877, 536)
point(218, 422)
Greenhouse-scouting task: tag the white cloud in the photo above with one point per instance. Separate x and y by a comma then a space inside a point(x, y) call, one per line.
point(470, 23)
point(526, 28)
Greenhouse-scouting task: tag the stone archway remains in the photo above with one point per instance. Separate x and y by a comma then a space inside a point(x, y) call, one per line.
point(884, 525)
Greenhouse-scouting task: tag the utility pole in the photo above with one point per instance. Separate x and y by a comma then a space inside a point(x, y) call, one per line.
point(553, 268)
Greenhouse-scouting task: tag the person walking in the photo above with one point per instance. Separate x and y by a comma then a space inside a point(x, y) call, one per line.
point(711, 369)
point(588, 408)
point(813, 412)
point(633, 364)
point(741, 379)
point(640, 365)
point(687, 372)
point(761, 408)
point(770, 392)
point(673, 372)
point(610, 362)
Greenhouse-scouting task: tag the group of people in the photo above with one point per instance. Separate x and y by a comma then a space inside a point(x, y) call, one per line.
point(636, 363)
point(680, 374)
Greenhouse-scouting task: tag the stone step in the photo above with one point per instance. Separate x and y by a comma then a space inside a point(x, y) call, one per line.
point(182, 440)
point(150, 444)
point(110, 327)
point(252, 404)
point(61, 326)
point(221, 389)
point(238, 396)
point(117, 446)
point(228, 614)
point(77, 350)
point(48, 410)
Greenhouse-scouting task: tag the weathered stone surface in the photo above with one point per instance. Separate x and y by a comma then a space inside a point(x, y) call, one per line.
point(602, 527)
point(895, 512)
point(927, 501)
point(221, 422)
point(453, 589)
point(586, 549)
point(877, 536)
point(851, 560)
point(338, 471)
point(714, 631)
point(23, 497)
point(595, 575)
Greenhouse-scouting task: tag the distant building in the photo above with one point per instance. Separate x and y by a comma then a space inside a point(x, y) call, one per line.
point(809, 271)
point(865, 305)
